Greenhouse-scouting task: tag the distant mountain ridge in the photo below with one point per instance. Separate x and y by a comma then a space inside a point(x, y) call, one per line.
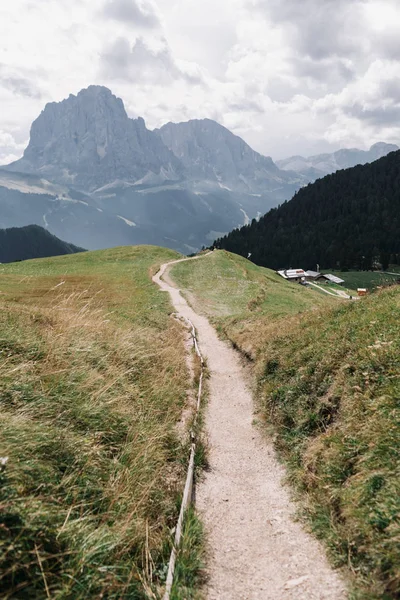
point(95, 176)
point(320, 165)
point(348, 219)
point(22, 243)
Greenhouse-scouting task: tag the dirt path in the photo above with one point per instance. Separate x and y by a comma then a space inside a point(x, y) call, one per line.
point(257, 551)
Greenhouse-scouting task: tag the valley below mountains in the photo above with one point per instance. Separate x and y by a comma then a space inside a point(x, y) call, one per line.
point(97, 178)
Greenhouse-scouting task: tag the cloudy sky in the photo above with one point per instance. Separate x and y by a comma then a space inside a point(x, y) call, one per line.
point(289, 76)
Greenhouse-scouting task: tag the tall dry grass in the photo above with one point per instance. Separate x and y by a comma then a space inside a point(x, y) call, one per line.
point(92, 466)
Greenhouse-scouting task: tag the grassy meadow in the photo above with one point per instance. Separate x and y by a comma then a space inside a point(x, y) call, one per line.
point(93, 381)
point(365, 279)
point(242, 299)
point(328, 380)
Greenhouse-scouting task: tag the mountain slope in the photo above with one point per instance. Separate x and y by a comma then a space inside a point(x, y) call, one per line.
point(211, 152)
point(21, 243)
point(27, 199)
point(124, 214)
point(323, 164)
point(347, 219)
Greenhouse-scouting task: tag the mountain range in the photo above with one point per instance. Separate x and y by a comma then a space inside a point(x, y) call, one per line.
point(347, 220)
point(320, 165)
point(95, 176)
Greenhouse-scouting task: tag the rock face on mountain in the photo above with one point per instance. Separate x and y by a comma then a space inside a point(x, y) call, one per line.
point(320, 165)
point(211, 152)
point(88, 141)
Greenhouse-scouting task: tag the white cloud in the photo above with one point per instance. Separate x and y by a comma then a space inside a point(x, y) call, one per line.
point(140, 63)
point(10, 149)
point(133, 11)
point(290, 77)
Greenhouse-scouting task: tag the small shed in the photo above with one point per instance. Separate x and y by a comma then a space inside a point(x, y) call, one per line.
point(362, 291)
point(334, 279)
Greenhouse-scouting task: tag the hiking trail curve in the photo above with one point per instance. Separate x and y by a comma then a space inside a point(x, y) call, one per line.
point(256, 550)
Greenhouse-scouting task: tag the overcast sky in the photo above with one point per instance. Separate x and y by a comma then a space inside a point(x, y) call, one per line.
point(289, 76)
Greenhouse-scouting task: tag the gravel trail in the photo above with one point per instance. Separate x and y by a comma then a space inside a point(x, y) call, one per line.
point(256, 550)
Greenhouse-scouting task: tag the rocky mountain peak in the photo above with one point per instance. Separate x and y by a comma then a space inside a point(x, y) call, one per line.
point(204, 135)
point(88, 140)
point(210, 151)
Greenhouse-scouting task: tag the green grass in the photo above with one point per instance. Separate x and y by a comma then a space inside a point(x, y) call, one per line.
point(190, 563)
point(364, 279)
point(328, 376)
point(225, 284)
point(93, 382)
point(237, 295)
point(332, 390)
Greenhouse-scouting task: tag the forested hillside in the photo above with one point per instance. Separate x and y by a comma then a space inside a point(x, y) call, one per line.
point(21, 243)
point(346, 220)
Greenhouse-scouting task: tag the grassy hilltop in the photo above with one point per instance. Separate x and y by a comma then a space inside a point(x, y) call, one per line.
point(328, 374)
point(242, 298)
point(93, 382)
